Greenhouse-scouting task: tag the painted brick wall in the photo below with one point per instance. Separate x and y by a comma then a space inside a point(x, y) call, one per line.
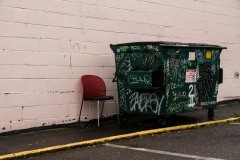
point(47, 45)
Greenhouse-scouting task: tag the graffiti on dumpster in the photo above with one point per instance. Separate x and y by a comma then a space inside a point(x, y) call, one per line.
point(136, 79)
point(179, 95)
point(135, 48)
point(125, 66)
point(176, 95)
point(181, 101)
point(146, 102)
point(216, 90)
point(122, 95)
point(123, 49)
point(197, 73)
point(191, 96)
point(173, 70)
point(205, 83)
point(177, 107)
point(148, 61)
point(152, 47)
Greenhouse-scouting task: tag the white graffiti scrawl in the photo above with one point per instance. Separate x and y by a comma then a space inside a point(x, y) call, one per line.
point(122, 95)
point(136, 79)
point(146, 102)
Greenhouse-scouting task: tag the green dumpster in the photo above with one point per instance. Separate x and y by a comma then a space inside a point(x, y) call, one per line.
point(164, 78)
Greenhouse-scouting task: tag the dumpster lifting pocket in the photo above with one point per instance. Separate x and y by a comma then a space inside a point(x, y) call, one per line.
point(220, 77)
point(144, 79)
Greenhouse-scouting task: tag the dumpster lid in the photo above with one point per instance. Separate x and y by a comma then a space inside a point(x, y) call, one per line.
point(173, 44)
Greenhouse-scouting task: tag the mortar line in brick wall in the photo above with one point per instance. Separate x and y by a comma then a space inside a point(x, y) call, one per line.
point(51, 52)
point(122, 9)
point(181, 38)
point(70, 27)
point(217, 4)
point(155, 2)
point(54, 39)
point(188, 8)
point(145, 1)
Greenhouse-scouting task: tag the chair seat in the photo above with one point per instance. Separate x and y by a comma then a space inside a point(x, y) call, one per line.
point(101, 98)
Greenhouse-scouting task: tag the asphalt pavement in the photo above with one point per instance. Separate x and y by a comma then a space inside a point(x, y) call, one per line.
point(20, 142)
point(220, 142)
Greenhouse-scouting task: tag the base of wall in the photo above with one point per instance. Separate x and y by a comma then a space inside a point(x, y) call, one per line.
point(55, 126)
point(83, 123)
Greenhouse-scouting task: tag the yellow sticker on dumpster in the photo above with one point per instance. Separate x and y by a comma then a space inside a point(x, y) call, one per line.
point(209, 54)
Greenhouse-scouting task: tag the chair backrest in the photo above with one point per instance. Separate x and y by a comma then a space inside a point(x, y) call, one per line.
point(93, 86)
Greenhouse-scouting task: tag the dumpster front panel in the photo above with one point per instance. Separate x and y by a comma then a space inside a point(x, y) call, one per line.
point(139, 71)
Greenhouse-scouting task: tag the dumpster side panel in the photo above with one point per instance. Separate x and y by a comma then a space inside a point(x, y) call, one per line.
point(122, 63)
point(191, 76)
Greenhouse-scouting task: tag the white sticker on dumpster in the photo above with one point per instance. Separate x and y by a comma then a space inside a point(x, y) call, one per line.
point(190, 76)
point(192, 56)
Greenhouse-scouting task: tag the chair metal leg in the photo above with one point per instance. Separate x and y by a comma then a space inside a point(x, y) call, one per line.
point(80, 111)
point(98, 112)
point(102, 108)
point(117, 110)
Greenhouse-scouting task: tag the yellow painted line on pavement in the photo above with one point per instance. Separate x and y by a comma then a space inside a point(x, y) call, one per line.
point(114, 138)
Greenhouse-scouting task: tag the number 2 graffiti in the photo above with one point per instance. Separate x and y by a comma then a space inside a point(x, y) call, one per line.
point(191, 96)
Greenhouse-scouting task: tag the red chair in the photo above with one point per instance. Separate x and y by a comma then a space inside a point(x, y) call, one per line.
point(94, 89)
